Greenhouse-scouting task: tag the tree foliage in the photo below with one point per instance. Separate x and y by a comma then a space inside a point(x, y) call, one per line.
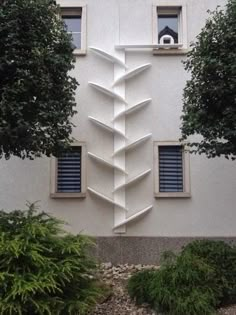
point(210, 95)
point(36, 90)
point(43, 270)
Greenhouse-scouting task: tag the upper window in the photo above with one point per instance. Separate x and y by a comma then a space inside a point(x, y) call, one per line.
point(68, 173)
point(169, 27)
point(172, 170)
point(75, 21)
point(72, 19)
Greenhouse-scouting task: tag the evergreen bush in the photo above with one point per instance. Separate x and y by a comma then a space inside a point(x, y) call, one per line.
point(44, 270)
point(138, 286)
point(222, 257)
point(185, 287)
point(196, 282)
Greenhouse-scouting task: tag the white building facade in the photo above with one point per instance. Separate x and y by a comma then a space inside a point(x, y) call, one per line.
point(133, 185)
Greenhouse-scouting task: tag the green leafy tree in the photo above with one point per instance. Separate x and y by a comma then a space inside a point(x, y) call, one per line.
point(36, 89)
point(210, 95)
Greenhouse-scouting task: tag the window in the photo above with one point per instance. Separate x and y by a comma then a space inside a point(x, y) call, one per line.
point(72, 19)
point(169, 26)
point(171, 170)
point(68, 173)
point(75, 19)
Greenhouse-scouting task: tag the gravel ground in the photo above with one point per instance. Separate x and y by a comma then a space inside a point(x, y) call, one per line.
point(228, 310)
point(118, 302)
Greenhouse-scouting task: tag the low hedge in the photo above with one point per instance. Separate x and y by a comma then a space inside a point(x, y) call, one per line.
point(195, 282)
point(222, 257)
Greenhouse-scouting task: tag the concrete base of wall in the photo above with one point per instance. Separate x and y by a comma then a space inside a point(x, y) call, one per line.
point(142, 250)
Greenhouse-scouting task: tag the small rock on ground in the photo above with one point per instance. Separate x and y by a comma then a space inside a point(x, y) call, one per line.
point(119, 303)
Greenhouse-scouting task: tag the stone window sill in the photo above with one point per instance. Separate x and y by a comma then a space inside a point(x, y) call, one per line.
point(170, 52)
point(67, 195)
point(79, 52)
point(173, 195)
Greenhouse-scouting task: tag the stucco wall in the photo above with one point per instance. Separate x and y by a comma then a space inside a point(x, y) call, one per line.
point(211, 210)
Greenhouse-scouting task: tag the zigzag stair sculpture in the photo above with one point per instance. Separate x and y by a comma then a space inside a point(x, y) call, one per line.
point(108, 56)
point(133, 180)
point(131, 73)
point(133, 217)
point(107, 91)
point(124, 111)
point(133, 108)
point(100, 195)
point(105, 126)
point(105, 162)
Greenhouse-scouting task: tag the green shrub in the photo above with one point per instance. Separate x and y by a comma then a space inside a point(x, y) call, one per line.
point(185, 287)
point(195, 282)
point(43, 270)
point(222, 257)
point(138, 286)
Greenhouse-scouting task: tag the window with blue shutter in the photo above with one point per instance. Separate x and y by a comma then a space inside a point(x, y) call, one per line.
point(171, 168)
point(69, 171)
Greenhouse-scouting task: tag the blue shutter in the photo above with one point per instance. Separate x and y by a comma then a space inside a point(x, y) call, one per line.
point(170, 169)
point(69, 171)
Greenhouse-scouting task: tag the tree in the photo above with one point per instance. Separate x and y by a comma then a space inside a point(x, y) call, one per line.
point(210, 95)
point(36, 89)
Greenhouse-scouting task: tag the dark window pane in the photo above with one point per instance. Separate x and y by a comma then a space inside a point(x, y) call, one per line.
point(168, 25)
point(167, 41)
point(69, 171)
point(170, 169)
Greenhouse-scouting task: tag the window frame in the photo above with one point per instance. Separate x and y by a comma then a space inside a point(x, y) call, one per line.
point(53, 181)
point(186, 193)
point(166, 7)
point(70, 5)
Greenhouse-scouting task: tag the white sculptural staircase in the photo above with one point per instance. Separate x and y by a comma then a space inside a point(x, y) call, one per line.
point(121, 144)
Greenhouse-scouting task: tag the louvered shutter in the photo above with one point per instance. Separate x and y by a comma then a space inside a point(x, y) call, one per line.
point(170, 168)
point(69, 171)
